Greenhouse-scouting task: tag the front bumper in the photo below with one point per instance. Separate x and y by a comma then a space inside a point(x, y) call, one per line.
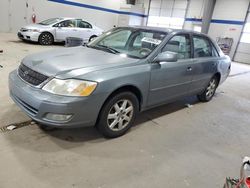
point(30, 36)
point(37, 103)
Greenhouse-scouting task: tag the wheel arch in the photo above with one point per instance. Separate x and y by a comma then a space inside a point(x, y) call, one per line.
point(92, 36)
point(131, 88)
point(218, 76)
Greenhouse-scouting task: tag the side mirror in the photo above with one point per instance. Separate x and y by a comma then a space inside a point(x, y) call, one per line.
point(166, 57)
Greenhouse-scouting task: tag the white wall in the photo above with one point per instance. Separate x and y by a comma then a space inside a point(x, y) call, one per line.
point(4, 16)
point(167, 13)
point(194, 11)
point(243, 51)
point(140, 7)
point(224, 10)
point(45, 9)
point(229, 10)
point(14, 14)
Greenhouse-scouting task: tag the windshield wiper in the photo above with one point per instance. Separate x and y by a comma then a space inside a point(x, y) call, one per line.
point(112, 50)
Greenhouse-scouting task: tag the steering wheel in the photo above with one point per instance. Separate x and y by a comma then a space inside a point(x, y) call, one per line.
point(144, 51)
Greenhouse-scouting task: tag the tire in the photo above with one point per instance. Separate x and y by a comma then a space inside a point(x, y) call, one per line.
point(46, 39)
point(210, 90)
point(92, 38)
point(118, 114)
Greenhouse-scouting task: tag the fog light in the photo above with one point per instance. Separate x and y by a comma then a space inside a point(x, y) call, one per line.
point(58, 117)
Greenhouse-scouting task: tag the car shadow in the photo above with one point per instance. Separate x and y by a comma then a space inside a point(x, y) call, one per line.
point(85, 134)
point(35, 43)
point(92, 134)
point(166, 109)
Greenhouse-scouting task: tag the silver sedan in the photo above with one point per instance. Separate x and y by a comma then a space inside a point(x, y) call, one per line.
point(58, 29)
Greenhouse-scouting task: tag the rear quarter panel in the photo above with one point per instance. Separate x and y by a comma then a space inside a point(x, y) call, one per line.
point(224, 67)
point(224, 63)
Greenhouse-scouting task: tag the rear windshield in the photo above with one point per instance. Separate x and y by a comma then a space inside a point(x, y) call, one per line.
point(50, 21)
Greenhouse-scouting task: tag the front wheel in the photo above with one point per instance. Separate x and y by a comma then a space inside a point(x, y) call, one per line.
point(118, 114)
point(92, 38)
point(209, 92)
point(46, 39)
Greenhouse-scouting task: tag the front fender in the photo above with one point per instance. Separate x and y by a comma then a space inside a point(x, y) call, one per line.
point(110, 80)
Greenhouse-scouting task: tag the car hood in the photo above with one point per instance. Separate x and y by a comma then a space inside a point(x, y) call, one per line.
point(36, 26)
point(72, 62)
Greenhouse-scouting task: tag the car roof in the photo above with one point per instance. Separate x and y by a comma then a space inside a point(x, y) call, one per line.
point(167, 30)
point(162, 29)
point(69, 18)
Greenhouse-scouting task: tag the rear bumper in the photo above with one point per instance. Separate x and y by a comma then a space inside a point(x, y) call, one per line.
point(30, 36)
point(37, 103)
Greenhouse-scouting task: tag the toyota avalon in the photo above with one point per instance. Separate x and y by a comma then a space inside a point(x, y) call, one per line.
point(124, 71)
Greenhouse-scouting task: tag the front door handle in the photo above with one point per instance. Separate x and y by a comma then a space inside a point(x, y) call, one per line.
point(189, 69)
point(162, 62)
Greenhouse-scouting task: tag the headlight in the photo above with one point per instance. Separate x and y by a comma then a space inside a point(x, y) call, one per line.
point(33, 30)
point(70, 87)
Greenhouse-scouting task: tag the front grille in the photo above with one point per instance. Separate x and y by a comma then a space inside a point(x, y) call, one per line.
point(24, 30)
point(30, 76)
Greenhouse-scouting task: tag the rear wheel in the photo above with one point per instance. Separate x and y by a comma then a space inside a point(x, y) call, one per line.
point(210, 90)
point(118, 114)
point(46, 39)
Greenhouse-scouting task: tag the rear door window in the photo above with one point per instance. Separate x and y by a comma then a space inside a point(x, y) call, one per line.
point(202, 47)
point(83, 24)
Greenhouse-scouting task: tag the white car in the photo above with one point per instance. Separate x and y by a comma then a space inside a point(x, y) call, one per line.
point(58, 29)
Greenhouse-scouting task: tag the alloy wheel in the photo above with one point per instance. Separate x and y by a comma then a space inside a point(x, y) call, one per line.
point(120, 115)
point(211, 88)
point(46, 39)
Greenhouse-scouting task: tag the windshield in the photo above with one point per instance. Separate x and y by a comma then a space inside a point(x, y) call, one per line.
point(50, 21)
point(132, 42)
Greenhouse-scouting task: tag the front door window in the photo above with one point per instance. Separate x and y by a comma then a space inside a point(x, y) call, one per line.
point(181, 45)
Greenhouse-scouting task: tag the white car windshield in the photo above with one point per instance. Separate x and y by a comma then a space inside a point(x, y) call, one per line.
point(50, 21)
point(132, 42)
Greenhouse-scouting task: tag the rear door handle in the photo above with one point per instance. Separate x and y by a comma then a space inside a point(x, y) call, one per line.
point(189, 69)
